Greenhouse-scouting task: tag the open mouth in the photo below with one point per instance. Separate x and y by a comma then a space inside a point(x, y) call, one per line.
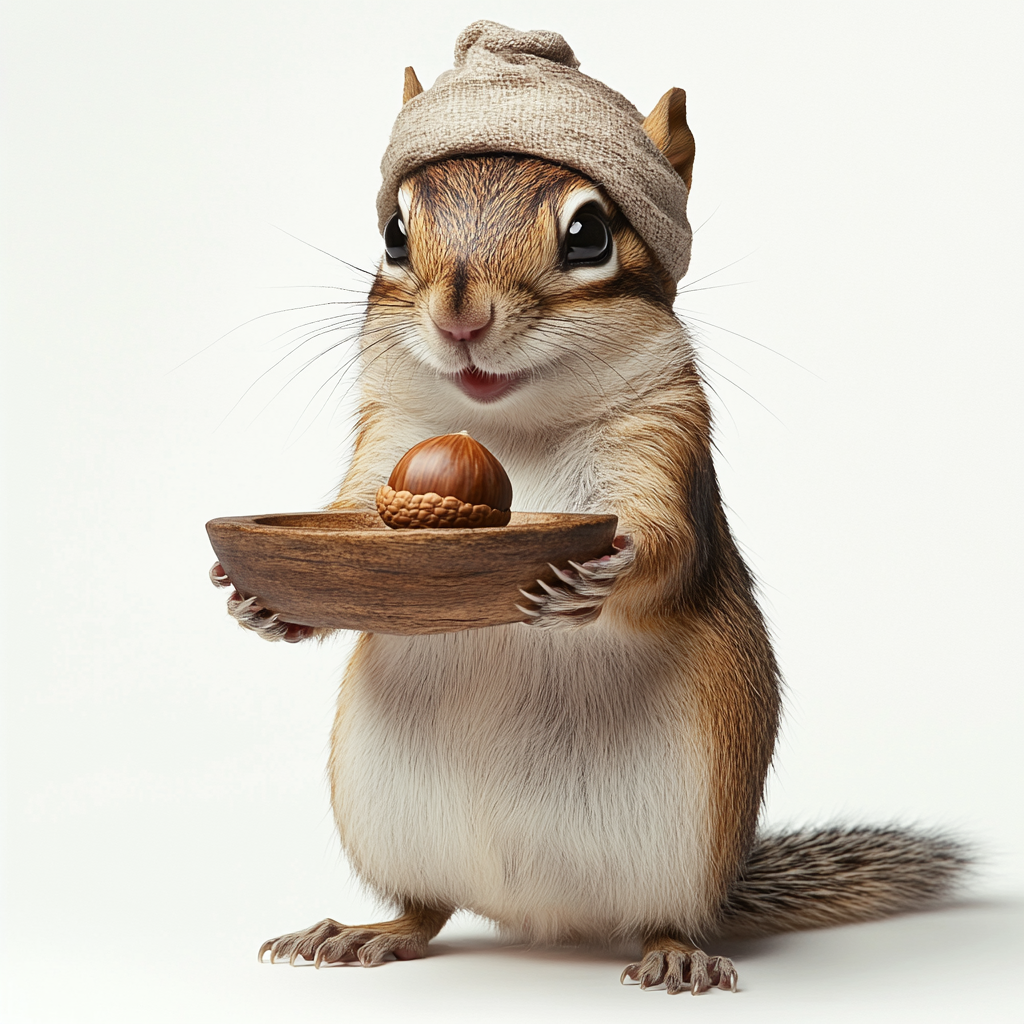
point(486, 387)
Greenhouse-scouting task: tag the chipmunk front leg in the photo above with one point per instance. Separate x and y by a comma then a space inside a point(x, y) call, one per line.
point(580, 592)
point(330, 942)
point(250, 614)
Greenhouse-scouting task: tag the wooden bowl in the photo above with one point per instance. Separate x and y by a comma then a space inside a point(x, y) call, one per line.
point(348, 570)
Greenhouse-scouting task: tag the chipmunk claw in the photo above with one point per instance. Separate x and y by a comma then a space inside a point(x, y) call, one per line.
point(344, 947)
point(251, 615)
point(218, 577)
point(681, 970)
point(648, 972)
point(580, 592)
point(304, 944)
point(730, 976)
point(330, 942)
point(371, 946)
point(564, 576)
point(584, 572)
point(548, 589)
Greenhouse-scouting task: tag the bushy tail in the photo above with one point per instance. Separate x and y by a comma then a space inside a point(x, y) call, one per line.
point(831, 876)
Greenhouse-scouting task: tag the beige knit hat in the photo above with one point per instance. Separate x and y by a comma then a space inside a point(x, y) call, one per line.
point(521, 92)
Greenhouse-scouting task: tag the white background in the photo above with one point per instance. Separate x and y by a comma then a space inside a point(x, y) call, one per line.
point(165, 805)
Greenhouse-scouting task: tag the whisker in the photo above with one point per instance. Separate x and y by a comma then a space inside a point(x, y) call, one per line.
point(704, 346)
point(721, 269)
point(309, 362)
point(760, 344)
point(252, 320)
point(363, 369)
point(721, 400)
point(711, 287)
point(297, 342)
point(269, 369)
point(351, 266)
point(707, 218)
point(577, 346)
point(314, 287)
point(596, 385)
point(728, 380)
point(339, 373)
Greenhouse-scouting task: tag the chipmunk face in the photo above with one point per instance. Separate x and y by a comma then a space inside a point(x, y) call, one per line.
point(511, 281)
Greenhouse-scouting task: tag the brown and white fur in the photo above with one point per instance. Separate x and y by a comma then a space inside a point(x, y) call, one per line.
point(596, 773)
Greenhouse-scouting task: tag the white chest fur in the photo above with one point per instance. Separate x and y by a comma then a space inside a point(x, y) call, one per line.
point(555, 783)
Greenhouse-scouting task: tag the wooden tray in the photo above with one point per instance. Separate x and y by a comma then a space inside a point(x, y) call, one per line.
point(348, 570)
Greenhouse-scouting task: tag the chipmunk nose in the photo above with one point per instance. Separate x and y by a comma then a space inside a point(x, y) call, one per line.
point(462, 328)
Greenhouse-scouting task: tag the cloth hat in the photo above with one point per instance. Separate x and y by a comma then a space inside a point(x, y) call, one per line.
point(522, 92)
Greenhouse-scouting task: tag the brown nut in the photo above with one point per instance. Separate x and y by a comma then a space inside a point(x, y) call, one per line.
point(447, 481)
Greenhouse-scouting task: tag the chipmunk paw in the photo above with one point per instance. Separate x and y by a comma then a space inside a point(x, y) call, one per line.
point(330, 942)
point(680, 969)
point(250, 614)
point(218, 577)
point(580, 592)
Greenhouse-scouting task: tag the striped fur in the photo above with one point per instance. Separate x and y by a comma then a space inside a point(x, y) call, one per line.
point(576, 784)
point(599, 778)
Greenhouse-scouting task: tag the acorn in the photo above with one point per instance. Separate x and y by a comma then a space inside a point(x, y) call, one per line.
point(447, 481)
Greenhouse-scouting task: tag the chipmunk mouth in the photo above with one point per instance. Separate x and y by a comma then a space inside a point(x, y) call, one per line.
point(486, 387)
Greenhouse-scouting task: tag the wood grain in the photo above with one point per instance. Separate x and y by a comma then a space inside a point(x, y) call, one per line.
point(347, 570)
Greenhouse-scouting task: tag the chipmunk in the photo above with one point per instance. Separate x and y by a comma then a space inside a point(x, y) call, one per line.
point(594, 773)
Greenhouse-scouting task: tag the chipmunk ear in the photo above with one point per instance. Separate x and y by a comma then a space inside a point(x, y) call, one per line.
point(666, 125)
point(412, 86)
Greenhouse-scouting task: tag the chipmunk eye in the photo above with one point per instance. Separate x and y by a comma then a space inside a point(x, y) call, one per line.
point(589, 239)
point(396, 243)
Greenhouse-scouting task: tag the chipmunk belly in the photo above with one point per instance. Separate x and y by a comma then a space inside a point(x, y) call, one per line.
point(555, 783)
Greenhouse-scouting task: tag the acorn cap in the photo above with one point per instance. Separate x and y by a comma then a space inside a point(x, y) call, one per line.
point(446, 481)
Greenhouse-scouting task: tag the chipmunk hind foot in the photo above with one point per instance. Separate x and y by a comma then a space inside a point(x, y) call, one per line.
point(681, 967)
